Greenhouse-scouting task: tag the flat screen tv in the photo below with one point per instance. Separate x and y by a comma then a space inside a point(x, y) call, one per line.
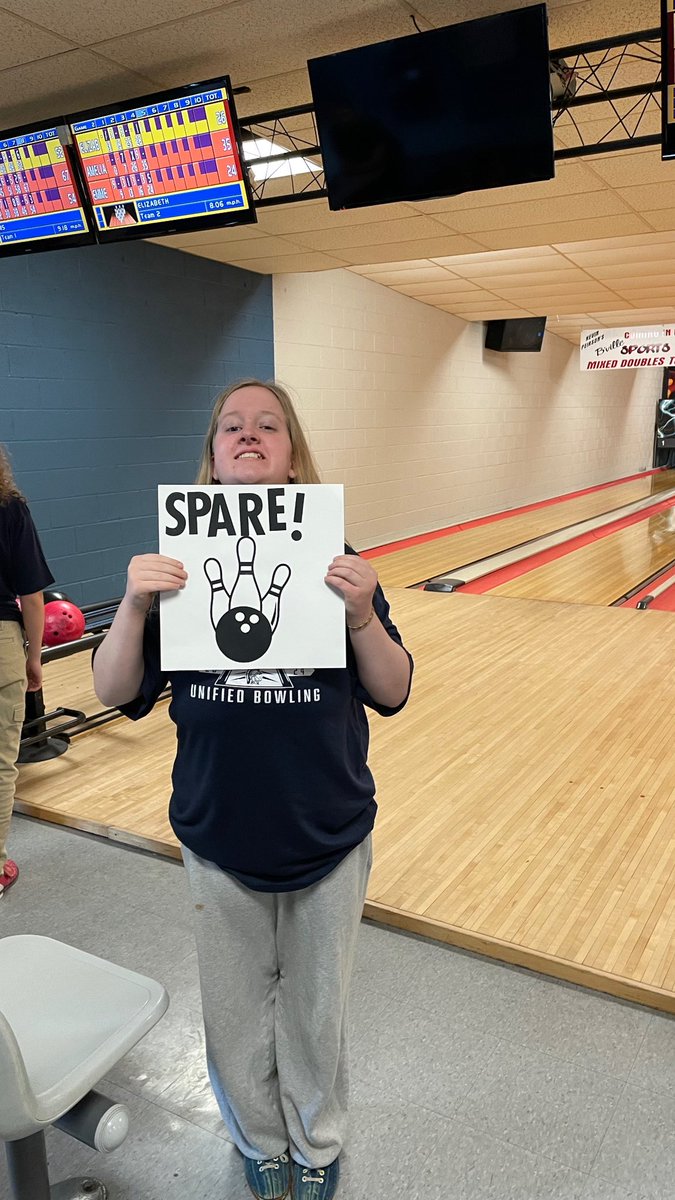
point(524, 334)
point(41, 205)
point(166, 163)
point(457, 109)
point(668, 78)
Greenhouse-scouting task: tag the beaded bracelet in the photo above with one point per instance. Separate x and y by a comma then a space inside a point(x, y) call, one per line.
point(355, 628)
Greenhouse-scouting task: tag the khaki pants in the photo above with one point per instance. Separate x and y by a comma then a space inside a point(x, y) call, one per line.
point(12, 707)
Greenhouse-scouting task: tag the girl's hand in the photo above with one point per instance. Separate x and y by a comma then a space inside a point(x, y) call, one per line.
point(150, 573)
point(34, 673)
point(356, 580)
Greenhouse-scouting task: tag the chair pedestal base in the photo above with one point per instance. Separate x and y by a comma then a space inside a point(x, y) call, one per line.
point(79, 1189)
point(27, 1165)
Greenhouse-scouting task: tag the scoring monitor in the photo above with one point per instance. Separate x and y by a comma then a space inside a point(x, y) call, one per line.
point(164, 164)
point(40, 203)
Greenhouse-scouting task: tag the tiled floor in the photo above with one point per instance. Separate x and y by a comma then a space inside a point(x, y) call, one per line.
point(471, 1080)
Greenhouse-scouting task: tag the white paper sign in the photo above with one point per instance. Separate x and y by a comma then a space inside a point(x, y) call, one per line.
point(256, 559)
point(612, 349)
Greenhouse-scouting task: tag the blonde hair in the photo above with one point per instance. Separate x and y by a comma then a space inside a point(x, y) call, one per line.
point(304, 467)
point(8, 489)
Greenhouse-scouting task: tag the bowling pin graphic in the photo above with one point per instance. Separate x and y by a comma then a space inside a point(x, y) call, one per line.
point(245, 593)
point(272, 598)
point(220, 597)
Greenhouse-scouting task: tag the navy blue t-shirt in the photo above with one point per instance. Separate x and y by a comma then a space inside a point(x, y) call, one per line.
point(23, 569)
point(270, 780)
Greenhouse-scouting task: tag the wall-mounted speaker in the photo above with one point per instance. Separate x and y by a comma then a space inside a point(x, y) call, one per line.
point(524, 334)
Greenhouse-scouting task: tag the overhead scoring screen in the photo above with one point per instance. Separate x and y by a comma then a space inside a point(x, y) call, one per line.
point(166, 161)
point(40, 205)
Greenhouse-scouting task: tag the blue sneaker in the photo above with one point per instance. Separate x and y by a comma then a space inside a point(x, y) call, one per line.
point(315, 1183)
point(268, 1178)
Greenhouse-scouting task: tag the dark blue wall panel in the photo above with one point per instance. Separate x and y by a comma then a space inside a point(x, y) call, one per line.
point(110, 359)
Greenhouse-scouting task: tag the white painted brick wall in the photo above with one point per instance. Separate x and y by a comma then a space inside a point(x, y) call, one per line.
point(425, 427)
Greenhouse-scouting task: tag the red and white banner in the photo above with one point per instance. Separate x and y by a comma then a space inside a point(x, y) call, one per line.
point(612, 349)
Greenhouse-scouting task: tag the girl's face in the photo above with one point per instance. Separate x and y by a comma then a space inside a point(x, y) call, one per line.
point(252, 443)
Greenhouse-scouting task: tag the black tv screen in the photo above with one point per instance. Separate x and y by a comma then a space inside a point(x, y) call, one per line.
point(457, 109)
point(668, 78)
point(524, 334)
point(41, 205)
point(166, 163)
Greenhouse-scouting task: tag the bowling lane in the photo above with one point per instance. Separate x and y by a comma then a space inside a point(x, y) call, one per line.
point(604, 570)
point(544, 849)
point(405, 567)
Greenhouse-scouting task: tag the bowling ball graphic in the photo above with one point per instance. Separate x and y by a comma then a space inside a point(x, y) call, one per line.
point(243, 634)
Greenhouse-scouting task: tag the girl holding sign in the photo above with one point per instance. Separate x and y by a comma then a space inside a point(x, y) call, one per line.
point(273, 806)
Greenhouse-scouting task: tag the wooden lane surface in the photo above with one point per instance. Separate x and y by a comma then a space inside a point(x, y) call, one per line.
point(526, 792)
point(605, 569)
point(403, 568)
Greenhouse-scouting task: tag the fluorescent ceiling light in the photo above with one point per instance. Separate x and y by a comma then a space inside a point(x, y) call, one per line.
point(263, 148)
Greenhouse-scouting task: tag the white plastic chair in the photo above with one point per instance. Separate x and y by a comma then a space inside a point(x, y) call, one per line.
point(66, 1018)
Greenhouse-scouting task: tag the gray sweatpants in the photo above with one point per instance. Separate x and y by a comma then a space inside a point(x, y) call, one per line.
point(275, 970)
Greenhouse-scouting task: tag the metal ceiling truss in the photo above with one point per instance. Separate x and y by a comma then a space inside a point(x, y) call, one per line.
point(588, 74)
point(594, 72)
point(293, 131)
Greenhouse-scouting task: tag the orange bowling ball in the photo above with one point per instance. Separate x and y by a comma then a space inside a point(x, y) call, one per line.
point(64, 622)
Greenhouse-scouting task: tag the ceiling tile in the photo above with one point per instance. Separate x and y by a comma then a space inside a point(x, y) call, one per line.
point(229, 251)
point(558, 295)
point(404, 268)
point(398, 250)
point(632, 256)
point(205, 237)
point(616, 318)
point(459, 287)
point(646, 197)
point(374, 234)
point(452, 300)
point(623, 170)
point(309, 215)
point(555, 307)
point(418, 274)
point(234, 37)
point(570, 179)
point(495, 268)
point(648, 269)
point(486, 260)
point(566, 231)
point(282, 264)
point(268, 93)
point(662, 219)
point(540, 212)
point(536, 283)
point(21, 42)
point(658, 292)
point(86, 22)
point(617, 243)
point(490, 312)
point(62, 84)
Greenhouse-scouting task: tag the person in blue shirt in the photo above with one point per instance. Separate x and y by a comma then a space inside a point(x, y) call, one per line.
point(23, 574)
point(273, 804)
